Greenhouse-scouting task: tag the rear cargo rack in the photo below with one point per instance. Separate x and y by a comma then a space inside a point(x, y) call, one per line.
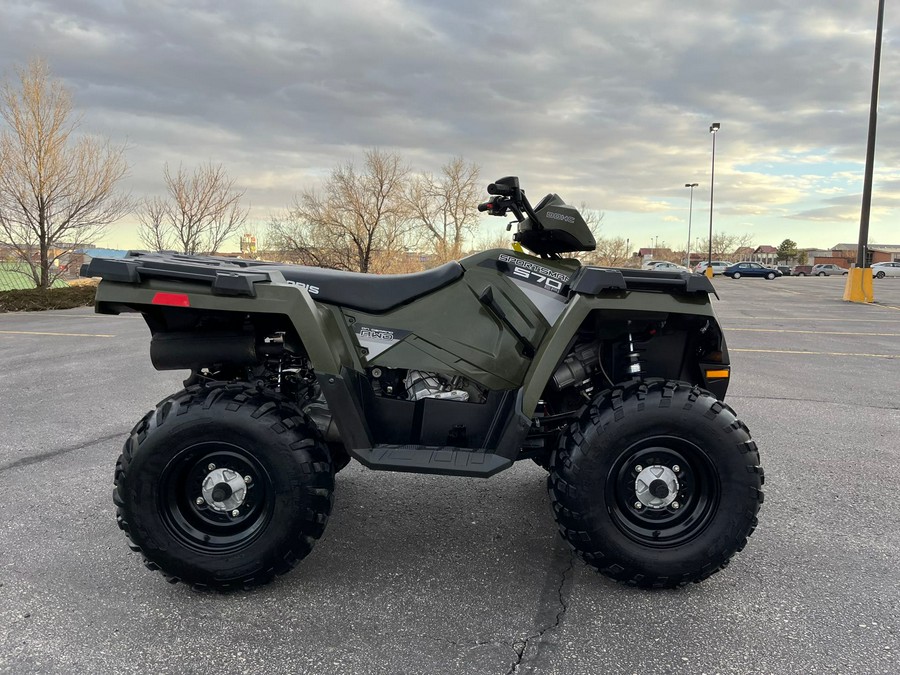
point(224, 276)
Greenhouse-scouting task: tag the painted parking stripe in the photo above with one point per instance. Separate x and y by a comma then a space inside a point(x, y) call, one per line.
point(801, 318)
point(34, 332)
point(811, 332)
point(805, 353)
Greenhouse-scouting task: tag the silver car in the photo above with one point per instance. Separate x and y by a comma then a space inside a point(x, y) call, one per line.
point(827, 270)
point(718, 266)
point(886, 269)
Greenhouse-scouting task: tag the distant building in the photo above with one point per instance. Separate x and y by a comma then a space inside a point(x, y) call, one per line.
point(845, 254)
point(765, 255)
point(743, 254)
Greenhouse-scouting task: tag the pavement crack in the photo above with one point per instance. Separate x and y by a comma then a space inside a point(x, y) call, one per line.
point(43, 457)
point(520, 645)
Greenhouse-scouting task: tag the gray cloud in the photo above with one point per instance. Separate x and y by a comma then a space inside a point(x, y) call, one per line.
point(604, 104)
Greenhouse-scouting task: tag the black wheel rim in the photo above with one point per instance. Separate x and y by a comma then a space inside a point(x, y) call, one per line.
point(201, 527)
point(697, 498)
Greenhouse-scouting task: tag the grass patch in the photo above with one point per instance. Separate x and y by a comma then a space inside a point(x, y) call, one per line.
point(34, 300)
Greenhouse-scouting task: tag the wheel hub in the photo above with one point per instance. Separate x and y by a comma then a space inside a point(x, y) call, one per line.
point(224, 490)
point(656, 487)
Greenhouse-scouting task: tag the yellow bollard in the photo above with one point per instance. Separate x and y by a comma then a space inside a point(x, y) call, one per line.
point(709, 271)
point(859, 285)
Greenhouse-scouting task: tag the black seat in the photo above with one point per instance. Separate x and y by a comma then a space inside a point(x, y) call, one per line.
point(369, 292)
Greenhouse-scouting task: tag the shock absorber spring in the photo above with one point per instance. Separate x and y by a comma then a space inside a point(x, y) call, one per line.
point(633, 357)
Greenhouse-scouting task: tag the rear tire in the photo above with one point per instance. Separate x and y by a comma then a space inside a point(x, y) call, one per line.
point(821, 274)
point(693, 447)
point(260, 523)
point(800, 274)
point(879, 275)
point(736, 275)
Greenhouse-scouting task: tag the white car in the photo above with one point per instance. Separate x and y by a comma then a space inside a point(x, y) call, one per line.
point(886, 269)
point(669, 267)
point(718, 266)
point(650, 264)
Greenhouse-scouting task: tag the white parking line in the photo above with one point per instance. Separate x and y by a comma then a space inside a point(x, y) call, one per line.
point(811, 332)
point(34, 332)
point(805, 353)
point(771, 318)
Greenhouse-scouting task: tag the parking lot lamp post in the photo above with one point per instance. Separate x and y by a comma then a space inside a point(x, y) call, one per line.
point(687, 254)
point(713, 128)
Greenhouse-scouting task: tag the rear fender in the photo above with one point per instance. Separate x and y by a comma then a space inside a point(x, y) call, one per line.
point(323, 338)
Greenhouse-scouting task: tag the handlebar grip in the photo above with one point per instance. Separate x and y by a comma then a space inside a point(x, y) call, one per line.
point(487, 206)
point(501, 190)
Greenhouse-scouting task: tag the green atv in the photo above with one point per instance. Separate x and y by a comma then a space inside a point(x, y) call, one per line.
point(611, 379)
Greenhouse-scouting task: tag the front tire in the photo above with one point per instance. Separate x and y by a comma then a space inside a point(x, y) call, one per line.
point(879, 275)
point(223, 486)
point(821, 274)
point(657, 485)
point(770, 276)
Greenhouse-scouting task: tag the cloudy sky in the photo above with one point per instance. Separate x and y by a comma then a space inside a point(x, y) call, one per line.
point(606, 103)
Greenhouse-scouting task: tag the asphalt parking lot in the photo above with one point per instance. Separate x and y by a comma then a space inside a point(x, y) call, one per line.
point(424, 574)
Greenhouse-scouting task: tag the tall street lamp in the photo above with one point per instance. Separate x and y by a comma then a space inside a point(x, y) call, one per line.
point(690, 213)
point(713, 128)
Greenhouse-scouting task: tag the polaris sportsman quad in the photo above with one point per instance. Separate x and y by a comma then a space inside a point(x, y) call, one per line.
point(611, 379)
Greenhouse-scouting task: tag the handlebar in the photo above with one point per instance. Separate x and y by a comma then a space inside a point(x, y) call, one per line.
point(501, 190)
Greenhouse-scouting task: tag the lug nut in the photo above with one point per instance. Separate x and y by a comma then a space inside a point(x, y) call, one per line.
point(248, 480)
point(211, 467)
point(199, 501)
point(638, 505)
point(235, 513)
point(676, 505)
point(638, 468)
point(676, 468)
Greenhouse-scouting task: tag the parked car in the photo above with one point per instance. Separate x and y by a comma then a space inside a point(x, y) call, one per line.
point(650, 264)
point(886, 269)
point(801, 270)
point(669, 267)
point(718, 266)
point(784, 269)
point(750, 269)
point(827, 270)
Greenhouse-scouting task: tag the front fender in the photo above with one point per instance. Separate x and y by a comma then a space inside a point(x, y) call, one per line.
point(559, 340)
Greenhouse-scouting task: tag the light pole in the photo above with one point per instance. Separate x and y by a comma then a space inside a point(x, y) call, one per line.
point(713, 128)
point(687, 262)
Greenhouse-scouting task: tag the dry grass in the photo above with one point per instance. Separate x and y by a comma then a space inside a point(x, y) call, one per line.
point(34, 300)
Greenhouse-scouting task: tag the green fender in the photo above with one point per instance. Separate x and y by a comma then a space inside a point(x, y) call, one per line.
point(325, 340)
point(556, 343)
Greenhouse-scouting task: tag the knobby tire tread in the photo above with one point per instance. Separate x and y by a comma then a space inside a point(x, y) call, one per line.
point(231, 398)
point(573, 450)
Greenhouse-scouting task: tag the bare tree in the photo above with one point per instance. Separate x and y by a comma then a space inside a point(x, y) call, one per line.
point(355, 222)
point(726, 246)
point(487, 241)
point(57, 191)
point(446, 207)
point(199, 213)
point(154, 231)
point(611, 252)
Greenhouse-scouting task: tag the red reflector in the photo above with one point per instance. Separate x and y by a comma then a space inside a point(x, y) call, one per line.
point(172, 299)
